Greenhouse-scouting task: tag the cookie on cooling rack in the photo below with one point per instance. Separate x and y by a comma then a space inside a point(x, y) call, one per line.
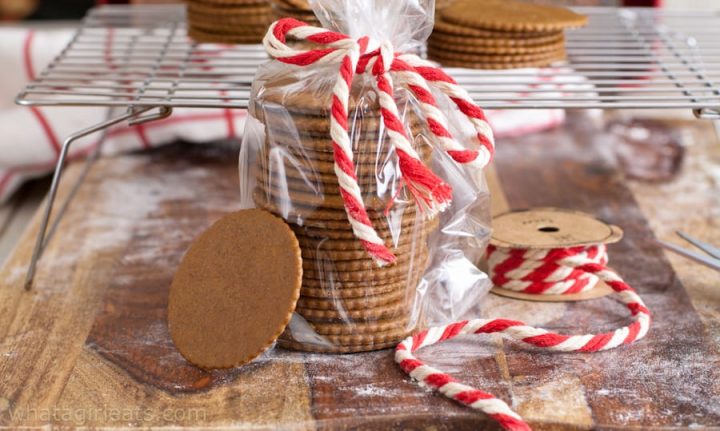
point(500, 34)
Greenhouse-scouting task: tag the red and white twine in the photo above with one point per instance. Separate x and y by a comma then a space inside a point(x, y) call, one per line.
point(430, 192)
point(538, 271)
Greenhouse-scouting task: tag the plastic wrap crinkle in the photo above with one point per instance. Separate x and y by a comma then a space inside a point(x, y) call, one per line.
point(348, 303)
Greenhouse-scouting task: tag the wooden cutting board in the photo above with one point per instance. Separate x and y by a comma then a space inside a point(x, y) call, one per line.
point(89, 346)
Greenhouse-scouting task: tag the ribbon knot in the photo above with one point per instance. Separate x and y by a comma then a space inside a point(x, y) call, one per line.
point(429, 191)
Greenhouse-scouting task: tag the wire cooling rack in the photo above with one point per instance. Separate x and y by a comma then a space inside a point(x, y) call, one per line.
point(139, 58)
point(624, 58)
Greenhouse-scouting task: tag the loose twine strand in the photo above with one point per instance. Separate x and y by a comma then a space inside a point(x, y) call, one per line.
point(546, 271)
point(565, 270)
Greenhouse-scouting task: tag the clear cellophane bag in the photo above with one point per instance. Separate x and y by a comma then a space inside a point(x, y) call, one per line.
point(347, 302)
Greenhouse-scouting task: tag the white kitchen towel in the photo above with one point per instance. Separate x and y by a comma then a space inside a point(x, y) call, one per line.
point(32, 136)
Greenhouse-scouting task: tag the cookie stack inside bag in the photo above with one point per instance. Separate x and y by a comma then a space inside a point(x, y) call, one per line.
point(228, 21)
point(500, 34)
point(298, 9)
point(347, 303)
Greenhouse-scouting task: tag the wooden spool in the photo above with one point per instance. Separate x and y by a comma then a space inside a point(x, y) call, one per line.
point(537, 228)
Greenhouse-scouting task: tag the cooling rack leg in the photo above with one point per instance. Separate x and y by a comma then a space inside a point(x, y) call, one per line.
point(134, 116)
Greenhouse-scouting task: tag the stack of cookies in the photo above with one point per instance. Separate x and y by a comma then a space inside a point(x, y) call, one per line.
point(228, 21)
point(298, 9)
point(500, 34)
point(347, 303)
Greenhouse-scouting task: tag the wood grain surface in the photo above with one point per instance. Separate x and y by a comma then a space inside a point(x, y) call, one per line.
point(89, 345)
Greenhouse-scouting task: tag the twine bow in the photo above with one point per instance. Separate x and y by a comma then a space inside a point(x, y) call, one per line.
point(430, 192)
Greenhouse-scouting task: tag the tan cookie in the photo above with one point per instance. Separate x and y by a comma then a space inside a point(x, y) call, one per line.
point(511, 15)
point(439, 45)
point(340, 290)
point(287, 198)
point(316, 98)
point(384, 311)
point(221, 11)
point(391, 336)
point(489, 66)
point(298, 128)
point(218, 27)
point(387, 232)
point(445, 54)
point(314, 160)
point(297, 212)
point(408, 224)
point(366, 264)
point(399, 244)
point(495, 41)
point(235, 289)
point(313, 251)
point(292, 197)
point(400, 322)
point(373, 286)
point(302, 5)
point(384, 274)
point(334, 303)
point(306, 347)
point(467, 34)
point(202, 36)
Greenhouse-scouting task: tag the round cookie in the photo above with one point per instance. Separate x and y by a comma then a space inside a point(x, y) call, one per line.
point(452, 40)
point(490, 58)
point(339, 290)
point(494, 50)
point(248, 13)
point(361, 327)
point(202, 36)
point(293, 4)
point(511, 15)
point(363, 264)
point(367, 286)
point(389, 272)
point(295, 198)
point(307, 347)
point(332, 246)
point(380, 312)
point(471, 33)
point(390, 336)
point(235, 29)
point(314, 252)
point(410, 224)
point(306, 212)
point(320, 124)
point(235, 289)
point(317, 100)
point(498, 66)
point(369, 301)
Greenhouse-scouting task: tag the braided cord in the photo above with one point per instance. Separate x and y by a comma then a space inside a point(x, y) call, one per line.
point(577, 261)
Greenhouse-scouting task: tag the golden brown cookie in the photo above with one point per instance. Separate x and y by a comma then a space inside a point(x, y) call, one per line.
point(380, 312)
point(297, 212)
point(340, 290)
point(445, 54)
point(365, 264)
point(349, 328)
point(306, 347)
point(489, 66)
point(203, 36)
point(513, 40)
point(495, 50)
point(511, 15)
point(367, 301)
point(235, 289)
point(383, 274)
